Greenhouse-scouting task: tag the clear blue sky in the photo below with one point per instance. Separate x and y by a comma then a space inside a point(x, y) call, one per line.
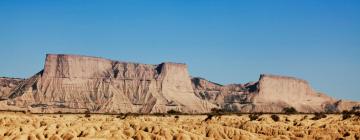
point(224, 41)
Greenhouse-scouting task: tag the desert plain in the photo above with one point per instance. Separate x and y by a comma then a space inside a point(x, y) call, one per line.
point(19, 126)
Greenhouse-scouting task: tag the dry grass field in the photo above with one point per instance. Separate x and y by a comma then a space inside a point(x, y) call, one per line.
point(183, 127)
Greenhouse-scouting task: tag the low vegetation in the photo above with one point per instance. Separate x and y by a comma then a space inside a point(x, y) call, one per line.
point(254, 116)
point(209, 117)
point(346, 114)
point(290, 110)
point(87, 114)
point(318, 116)
point(173, 112)
point(217, 111)
point(275, 118)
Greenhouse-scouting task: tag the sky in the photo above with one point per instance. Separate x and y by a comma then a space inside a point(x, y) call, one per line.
point(224, 41)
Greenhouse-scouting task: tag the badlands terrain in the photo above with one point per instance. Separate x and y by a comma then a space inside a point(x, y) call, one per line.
point(75, 84)
point(61, 100)
point(20, 126)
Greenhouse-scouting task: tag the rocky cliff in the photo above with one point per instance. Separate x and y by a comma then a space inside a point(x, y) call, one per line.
point(6, 85)
point(71, 83)
point(270, 94)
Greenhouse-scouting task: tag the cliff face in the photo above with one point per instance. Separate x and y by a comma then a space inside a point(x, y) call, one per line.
point(232, 97)
point(72, 83)
point(6, 85)
point(270, 94)
point(278, 92)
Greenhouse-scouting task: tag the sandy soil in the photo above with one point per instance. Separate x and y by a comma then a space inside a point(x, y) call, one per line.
point(54, 127)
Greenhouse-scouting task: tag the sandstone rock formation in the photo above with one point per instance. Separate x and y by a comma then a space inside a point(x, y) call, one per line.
point(270, 94)
point(71, 83)
point(6, 85)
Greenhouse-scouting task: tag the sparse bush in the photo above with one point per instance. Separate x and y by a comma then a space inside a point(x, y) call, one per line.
point(173, 112)
point(122, 116)
point(357, 114)
point(356, 108)
point(274, 117)
point(87, 114)
point(209, 117)
point(254, 116)
point(217, 111)
point(289, 110)
point(304, 118)
point(176, 117)
point(318, 116)
point(346, 114)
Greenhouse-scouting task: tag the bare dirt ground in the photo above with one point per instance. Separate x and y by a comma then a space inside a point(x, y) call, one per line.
point(182, 127)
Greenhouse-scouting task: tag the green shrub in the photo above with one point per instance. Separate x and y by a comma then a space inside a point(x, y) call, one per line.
point(87, 114)
point(254, 116)
point(318, 116)
point(217, 111)
point(173, 112)
point(346, 114)
point(274, 117)
point(209, 117)
point(290, 110)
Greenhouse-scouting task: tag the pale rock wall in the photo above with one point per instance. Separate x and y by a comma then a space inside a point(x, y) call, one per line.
point(347, 105)
point(71, 83)
point(6, 85)
point(227, 97)
point(77, 83)
point(277, 92)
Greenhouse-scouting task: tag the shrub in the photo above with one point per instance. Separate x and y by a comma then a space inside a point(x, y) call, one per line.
point(274, 117)
point(217, 111)
point(289, 110)
point(87, 114)
point(176, 117)
point(209, 117)
point(254, 116)
point(346, 114)
point(122, 116)
point(357, 114)
point(318, 116)
point(173, 112)
point(304, 118)
point(356, 108)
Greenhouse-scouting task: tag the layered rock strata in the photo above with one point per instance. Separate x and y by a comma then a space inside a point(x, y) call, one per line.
point(6, 85)
point(72, 83)
point(270, 94)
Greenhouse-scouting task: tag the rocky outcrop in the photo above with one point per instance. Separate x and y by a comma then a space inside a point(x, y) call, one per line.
point(347, 105)
point(71, 83)
point(270, 94)
point(231, 97)
point(6, 85)
point(277, 92)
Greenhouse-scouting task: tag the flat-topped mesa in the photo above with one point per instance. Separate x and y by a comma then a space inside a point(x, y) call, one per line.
point(285, 91)
point(75, 66)
point(280, 77)
point(73, 83)
point(76, 83)
point(283, 85)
